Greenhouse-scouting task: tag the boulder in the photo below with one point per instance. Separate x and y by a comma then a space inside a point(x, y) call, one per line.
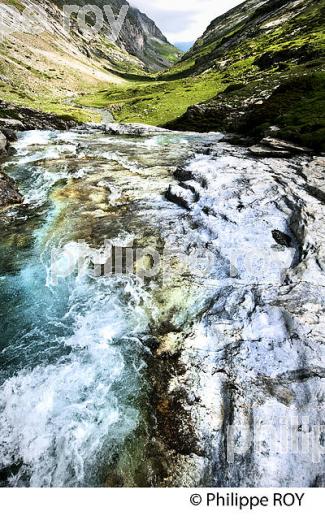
point(9, 193)
point(7, 124)
point(238, 140)
point(9, 134)
point(273, 147)
point(282, 238)
point(181, 174)
point(279, 144)
point(266, 151)
point(180, 196)
point(3, 145)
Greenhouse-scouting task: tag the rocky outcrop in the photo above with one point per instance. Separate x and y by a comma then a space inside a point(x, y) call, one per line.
point(271, 147)
point(182, 196)
point(22, 118)
point(9, 193)
point(140, 43)
point(139, 35)
point(3, 144)
point(136, 129)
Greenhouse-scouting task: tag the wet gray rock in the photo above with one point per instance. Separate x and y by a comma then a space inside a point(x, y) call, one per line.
point(11, 135)
point(133, 129)
point(9, 124)
point(181, 174)
point(3, 144)
point(181, 196)
point(281, 238)
point(266, 151)
point(280, 144)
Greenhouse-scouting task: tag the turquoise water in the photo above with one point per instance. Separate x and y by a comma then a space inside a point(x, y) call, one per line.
point(74, 349)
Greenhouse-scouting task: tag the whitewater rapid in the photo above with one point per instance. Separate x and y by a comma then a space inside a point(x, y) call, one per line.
point(75, 352)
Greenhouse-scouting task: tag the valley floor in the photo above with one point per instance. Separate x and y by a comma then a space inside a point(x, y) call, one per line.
point(156, 101)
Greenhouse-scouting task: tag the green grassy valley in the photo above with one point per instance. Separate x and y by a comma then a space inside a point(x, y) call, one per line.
point(273, 57)
point(47, 71)
point(154, 102)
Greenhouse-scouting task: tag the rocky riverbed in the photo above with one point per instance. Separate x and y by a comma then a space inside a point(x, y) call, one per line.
point(201, 364)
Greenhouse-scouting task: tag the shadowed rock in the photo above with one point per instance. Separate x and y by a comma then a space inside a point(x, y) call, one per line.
point(9, 193)
point(281, 238)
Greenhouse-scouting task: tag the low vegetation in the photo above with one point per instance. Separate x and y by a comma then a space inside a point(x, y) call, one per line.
point(154, 102)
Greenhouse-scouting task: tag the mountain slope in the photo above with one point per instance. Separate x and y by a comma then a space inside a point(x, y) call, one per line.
point(258, 66)
point(270, 57)
point(139, 35)
point(43, 71)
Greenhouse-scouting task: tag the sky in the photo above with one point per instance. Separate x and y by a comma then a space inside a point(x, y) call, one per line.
point(183, 20)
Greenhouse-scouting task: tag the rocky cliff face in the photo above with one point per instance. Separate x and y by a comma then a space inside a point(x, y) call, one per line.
point(270, 56)
point(139, 36)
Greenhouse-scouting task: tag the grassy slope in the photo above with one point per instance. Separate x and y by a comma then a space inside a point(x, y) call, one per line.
point(154, 102)
point(290, 56)
point(45, 72)
point(297, 107)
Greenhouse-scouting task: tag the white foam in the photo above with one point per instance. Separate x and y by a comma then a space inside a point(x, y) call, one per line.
point(33, 137)
point(60, 421)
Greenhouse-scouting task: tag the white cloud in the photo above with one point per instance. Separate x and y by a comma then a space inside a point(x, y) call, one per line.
point(183, 20)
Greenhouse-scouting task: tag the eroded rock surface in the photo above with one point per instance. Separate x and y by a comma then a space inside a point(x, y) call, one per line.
point(249, 376)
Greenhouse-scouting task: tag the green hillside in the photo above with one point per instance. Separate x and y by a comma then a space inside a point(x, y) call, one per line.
point(269, 55)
